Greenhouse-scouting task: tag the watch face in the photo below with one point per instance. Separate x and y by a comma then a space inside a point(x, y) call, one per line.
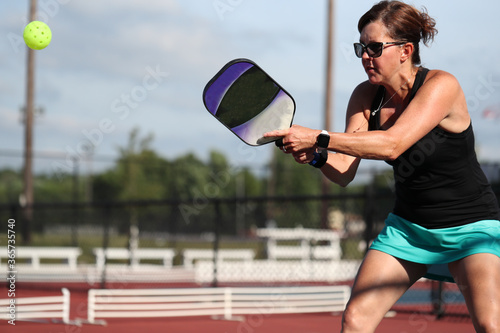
point(323, 140)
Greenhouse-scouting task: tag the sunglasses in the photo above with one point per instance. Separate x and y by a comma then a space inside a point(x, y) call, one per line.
point(374, 50)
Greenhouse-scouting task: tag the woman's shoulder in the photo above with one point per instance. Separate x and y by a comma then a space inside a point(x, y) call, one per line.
point(441, 76)
point(442, 83)
point(365, 91)
point(362, 99)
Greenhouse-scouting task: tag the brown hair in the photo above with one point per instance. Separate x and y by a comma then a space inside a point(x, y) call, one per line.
point(403, 22)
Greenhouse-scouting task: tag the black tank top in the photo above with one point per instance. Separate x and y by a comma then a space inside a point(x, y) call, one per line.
point(439, 182)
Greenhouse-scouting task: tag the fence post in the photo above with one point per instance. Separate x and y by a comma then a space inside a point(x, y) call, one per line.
point(66, 307)
point(217, 220)
point(437, 299)
point(105, 243)
point(91, 306)
point(228, 310)
point(75, 215)
point(368, 214)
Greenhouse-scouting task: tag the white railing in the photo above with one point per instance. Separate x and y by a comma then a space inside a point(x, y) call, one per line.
point(48, 307)
point(135, 256)
point(274, 271)
point(192, 255)
point(34, 254)
point(311, 244)
point(225, 302)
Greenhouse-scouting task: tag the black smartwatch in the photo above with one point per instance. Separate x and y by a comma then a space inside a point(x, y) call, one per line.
point(323, 139)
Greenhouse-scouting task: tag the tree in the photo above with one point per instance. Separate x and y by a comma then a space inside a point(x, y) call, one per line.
point(290, 179)
point(10, 186)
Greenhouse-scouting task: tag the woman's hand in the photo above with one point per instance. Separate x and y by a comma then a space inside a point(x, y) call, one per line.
point(296, 139)
point(304, 156)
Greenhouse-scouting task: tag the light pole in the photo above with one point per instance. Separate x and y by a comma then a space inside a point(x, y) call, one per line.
point(27, 196)
point(325, 183)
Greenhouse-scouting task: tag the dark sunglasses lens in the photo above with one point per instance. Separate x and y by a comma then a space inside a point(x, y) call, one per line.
point(358, 49)
point(374, 49)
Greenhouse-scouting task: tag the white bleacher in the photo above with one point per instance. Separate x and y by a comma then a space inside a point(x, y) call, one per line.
point(67, 255)
point(32, 265)
point(135, 257)
point(311, 244)
point(316, 256)
point(223, 255)
point(29, 308)
point(223, 302)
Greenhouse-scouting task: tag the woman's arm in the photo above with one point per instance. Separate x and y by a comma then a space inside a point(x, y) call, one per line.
point(340, 168)
point(439, 102)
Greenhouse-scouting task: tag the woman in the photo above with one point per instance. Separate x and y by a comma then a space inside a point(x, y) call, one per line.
point(445, 212)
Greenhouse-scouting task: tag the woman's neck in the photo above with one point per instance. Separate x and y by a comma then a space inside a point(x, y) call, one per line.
point(399, 90)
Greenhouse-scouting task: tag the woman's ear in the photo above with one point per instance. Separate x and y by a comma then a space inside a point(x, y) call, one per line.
point(406, 51)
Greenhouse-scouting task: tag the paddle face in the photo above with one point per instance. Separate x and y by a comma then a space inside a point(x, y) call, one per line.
point(248, 101)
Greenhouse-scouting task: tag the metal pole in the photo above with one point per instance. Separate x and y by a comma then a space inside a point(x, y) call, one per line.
point(217, 221)
point(76, 216)
point(437, 295)
point(325, 183)
point(28, 162)
point(329, 65)
point(105, 243)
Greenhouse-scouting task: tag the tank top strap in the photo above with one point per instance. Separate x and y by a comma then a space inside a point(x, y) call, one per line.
point(419, 81)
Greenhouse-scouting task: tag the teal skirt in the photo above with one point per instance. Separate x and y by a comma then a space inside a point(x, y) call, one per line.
point(437, 247)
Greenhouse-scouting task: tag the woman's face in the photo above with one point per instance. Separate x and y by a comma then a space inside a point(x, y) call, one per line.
point(381, 68)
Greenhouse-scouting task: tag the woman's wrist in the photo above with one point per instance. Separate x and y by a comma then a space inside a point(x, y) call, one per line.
point(323, 139)
point(320, 158)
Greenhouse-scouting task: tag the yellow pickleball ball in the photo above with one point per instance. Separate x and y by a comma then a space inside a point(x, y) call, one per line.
point(37, 35)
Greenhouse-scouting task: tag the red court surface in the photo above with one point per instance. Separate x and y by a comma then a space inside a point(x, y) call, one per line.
point(407, 322)
point(306, 323)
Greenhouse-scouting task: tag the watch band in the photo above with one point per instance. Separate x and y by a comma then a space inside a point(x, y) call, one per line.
point(320, 159)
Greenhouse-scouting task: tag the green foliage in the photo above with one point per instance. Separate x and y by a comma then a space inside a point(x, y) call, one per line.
point(10, 186)
point(106, 187)
point(139, 174)
point(287, 179)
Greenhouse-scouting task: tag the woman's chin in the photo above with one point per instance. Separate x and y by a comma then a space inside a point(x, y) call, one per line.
point(373, 79)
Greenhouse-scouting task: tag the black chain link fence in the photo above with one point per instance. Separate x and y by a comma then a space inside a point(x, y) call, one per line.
point(213, 241)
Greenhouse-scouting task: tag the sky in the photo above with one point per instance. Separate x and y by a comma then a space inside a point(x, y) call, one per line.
point(113, 66)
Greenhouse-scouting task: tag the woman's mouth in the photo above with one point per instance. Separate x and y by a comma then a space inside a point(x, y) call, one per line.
point(369, 69)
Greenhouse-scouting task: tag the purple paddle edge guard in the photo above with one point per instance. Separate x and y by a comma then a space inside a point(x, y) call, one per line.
point(221, 83)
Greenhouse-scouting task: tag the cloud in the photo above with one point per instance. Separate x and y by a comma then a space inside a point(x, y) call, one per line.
point(127, 7)
point(120, 39)
point(101, 49)
point(9, 117)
